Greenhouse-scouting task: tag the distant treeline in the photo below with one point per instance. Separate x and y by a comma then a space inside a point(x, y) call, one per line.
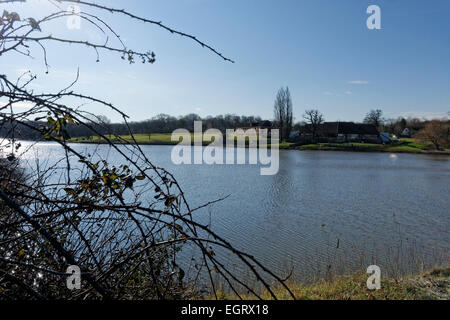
point(164, 123)
point(396, 126)
point(161, 123)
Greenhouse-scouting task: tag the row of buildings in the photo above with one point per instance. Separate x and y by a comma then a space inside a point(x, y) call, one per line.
point(335, 132)
point(340, 132)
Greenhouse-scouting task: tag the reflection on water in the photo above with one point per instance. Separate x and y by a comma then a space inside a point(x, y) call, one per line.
point(323, 208)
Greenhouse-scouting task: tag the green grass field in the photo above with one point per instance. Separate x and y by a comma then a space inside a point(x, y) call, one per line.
point(153, 139)
point(402, 146)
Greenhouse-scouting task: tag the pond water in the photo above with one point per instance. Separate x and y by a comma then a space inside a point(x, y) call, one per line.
point(344, 210)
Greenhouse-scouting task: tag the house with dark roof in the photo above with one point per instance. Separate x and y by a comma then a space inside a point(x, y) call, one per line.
point(406, 133)
point(340, 132)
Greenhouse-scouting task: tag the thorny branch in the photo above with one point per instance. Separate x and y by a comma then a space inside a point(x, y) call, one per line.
point(127, 224)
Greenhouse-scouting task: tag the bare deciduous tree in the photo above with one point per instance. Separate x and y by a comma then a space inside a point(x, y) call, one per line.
point(283, 112)
point(437, 132)
point(314, 118)
point(374, 117)
point(289, 113)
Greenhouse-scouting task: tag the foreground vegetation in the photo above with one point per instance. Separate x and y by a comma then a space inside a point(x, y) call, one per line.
point(432, 285)
point(116, 230)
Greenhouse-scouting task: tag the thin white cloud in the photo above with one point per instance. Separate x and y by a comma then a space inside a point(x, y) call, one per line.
point(327, 93)
point(20, 105)
point(422, 115)
point(21, 71)
point(348, 92)
point(358, 82)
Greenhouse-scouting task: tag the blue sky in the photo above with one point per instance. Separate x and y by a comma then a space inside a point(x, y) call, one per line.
point(321, 49)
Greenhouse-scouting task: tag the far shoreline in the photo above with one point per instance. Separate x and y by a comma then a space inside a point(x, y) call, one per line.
point(348, 147)
point(343, 148)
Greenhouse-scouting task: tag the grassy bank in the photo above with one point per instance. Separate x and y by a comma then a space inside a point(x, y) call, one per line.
point(403, 146)
point(432, 285)
point(152, 139)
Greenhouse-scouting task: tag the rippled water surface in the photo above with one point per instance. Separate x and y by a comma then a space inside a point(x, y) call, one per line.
point(323, 208)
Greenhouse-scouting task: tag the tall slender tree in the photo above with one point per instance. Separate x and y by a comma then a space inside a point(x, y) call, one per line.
point(283, 112)
point(289, 113)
